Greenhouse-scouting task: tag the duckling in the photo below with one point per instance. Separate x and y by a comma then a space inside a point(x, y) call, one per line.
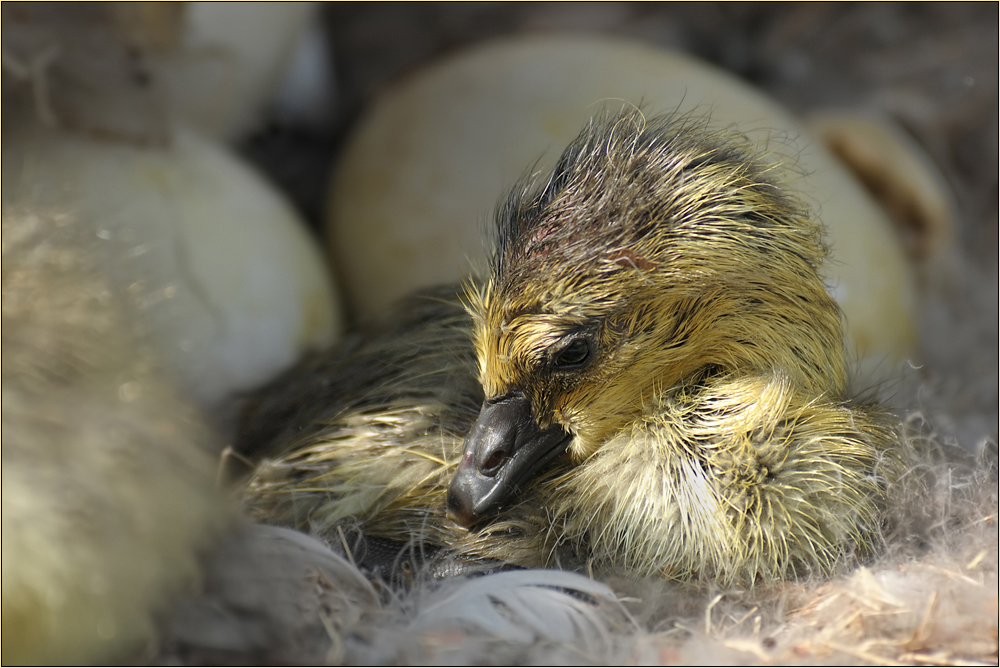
point(659, 373)
point(109, 494)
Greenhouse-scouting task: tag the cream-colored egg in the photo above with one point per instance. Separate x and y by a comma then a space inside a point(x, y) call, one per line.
point(420, 177)
point(227, 67)
point(127, 69)
point(235, 287)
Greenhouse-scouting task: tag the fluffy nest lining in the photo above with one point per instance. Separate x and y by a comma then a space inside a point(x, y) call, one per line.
point(274, 595)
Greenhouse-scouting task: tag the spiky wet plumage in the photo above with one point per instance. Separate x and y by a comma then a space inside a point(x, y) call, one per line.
point(712, 434)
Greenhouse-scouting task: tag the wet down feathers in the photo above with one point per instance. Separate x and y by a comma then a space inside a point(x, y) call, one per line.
point(650, 379)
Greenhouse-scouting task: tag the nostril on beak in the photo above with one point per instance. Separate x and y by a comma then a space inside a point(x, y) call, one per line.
point(494, 463)
point(459, 511)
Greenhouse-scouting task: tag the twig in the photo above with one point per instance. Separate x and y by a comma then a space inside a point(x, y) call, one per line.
point(863, 655)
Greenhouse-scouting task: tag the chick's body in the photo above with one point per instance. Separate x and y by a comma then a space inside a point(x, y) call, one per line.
point(109, 495)
point(654, 330)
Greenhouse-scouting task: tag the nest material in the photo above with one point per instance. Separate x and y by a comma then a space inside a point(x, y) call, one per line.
point(931, 599)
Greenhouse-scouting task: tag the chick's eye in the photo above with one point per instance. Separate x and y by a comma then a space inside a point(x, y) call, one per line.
point(575, 354)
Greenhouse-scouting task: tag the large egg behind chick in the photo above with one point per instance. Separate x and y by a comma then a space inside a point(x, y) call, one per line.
point(420, 176)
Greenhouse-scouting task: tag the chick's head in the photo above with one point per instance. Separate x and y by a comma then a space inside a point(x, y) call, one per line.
point(657, 253)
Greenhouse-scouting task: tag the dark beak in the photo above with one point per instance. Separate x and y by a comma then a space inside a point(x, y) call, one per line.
point(504, 449)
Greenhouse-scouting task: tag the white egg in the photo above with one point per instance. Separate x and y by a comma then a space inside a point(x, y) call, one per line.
point(127, 69)
point(230, 61)
point(235, 287)
point(422, 173)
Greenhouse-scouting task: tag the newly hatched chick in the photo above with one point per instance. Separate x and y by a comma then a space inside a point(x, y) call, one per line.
point(662, 378)
point(109, 493)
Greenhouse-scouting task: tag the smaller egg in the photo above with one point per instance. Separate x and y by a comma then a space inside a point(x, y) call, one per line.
point(234, 286)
